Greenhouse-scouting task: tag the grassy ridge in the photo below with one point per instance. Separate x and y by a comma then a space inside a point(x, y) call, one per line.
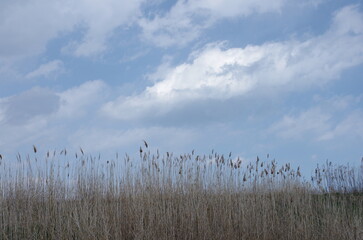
point(176, 197)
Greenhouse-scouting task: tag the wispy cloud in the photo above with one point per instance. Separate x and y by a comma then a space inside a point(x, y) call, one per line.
point(312, 121)
point(22, 108)
point(351, 126)
point(78, 101)
point(24, 118)
point(216, 72)
point(100, 19)
point(187, 19)
point(47, 69)
point(40, 113)
point(329, 119)
point(22, 34)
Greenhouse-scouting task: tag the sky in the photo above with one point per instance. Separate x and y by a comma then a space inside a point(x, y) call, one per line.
point(251, 77)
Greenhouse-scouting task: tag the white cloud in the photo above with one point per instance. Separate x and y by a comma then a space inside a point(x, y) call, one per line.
point(319, 125)
point(38, 115)
point(329, 119)
point(186, 19)
point(348, 20)
point(101, 19)
point(77, 101)
point(350, 126)
point(44, 70)
point(70, 118)
point(26, 27)
point(22, 108)
point(24, 117)
point(2, 110)
point(312, 121)
point(338, 103)
point(71, 103)
point(218, 73)
point(28, 133)
point(130, 58)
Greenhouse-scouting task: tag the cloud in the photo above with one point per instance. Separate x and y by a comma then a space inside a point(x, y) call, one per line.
point(311, 121)
point(23, 34)
point(27, 27)
point(40, 102)
point(28, 133)
point(2, 110)
point(218, 73)
point(44, 70)
point(348, 20)
point(319, 125)
point(350, 126)
point(70, 118)
point(22, 108)
point(80, 100)
point(101, 19)
point(329, 119)
point(42, 115)
point(24, 118)
point(186, 19)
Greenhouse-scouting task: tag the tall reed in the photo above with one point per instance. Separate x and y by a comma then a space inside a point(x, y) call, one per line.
point(164, 196)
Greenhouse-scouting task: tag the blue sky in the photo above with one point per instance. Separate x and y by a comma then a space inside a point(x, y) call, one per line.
point(251, 77)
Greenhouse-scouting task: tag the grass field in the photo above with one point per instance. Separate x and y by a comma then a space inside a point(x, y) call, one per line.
point(162, 196)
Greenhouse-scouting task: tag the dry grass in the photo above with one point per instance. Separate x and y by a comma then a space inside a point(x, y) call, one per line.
point(175, 197)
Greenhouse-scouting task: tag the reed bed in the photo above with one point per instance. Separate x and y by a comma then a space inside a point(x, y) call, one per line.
point(164, 196)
